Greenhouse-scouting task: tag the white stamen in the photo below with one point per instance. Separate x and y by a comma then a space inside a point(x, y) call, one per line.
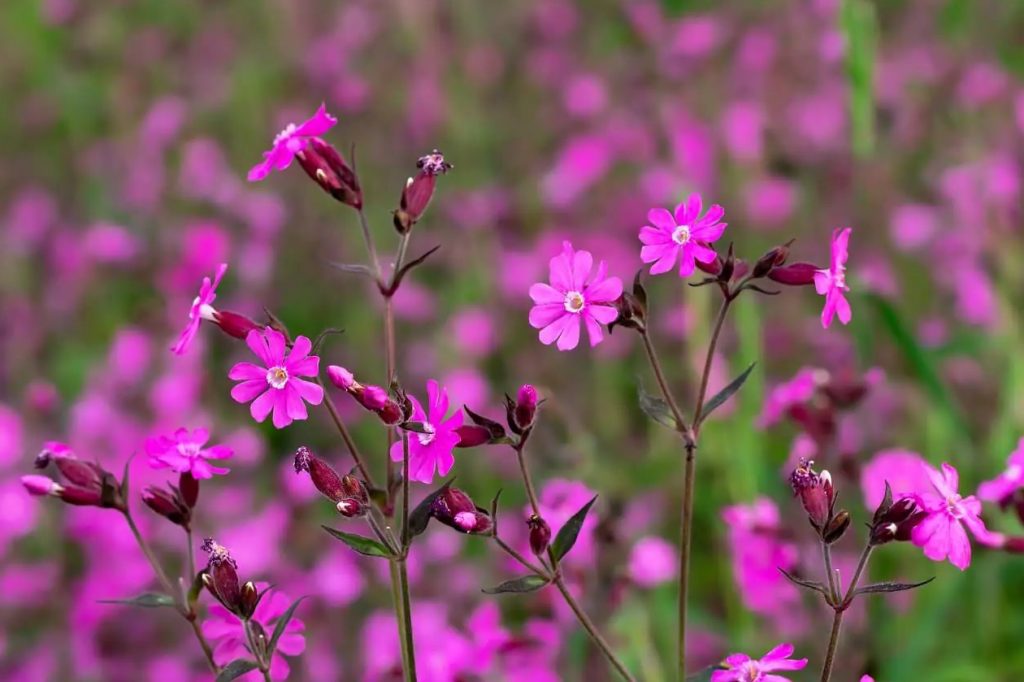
point(681, 234)
point(427, 437)
point(277, 377)
point(574, 302)
point(288, 131)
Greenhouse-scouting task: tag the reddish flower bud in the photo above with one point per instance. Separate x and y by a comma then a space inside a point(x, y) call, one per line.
point(373, 398)
point(836, 527)
point(340, 377)
point(795, 274)
point(221, 577)
point(472, 435)
point(325, 165)
point(895, 521)
point(234, 324)
point(419, 190)
point(454, 508)
point(815, 492)
point(324, 477)
point(771, 260)
point(526, 407)
point(168, 504)
point(87, 483)
point(1014, 545)
point(189, 487)
point(249, 599)
point(540, 534)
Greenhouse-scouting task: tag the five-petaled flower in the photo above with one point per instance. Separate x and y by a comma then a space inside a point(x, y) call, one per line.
point(431, 449)
point(941, 532)
point(184, 452)
point(276, 385)
point(831, 283)
point(290, 141)
point(575, 293)
point(202, 309)
point(683, 235)
point(743, 668)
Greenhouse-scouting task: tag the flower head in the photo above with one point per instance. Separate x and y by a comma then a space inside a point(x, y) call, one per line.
point(1001, 488)
point(743, 668)
point(185, 451)
point(290, 141)
point(941, 532)
point(275, 385)
point(430, 449)
point(202, 309)
point(575, 293)
point(831, 283)
point(682, 235)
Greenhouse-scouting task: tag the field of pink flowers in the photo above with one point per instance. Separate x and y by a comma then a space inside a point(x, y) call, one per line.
point(461, 341)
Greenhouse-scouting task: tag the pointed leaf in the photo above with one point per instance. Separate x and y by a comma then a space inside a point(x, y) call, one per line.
point(420, 516)
point(885, 505)
point(527, 583)
point(280, 626)
point(494, 513)
point(568, 533)
point(726, 393)
point(416, 262)
point(149, 600)
point(360, 543)
point(235, 669)
point(656, 408)
point(891, 587)
point(809, 584)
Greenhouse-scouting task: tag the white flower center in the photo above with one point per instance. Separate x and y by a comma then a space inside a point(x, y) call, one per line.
point(427, 437)
point(288, 131)
point(681, 234)
point(839, 277)
point(574, 302)
point(750, 671)
point(1013, 471)
point(188, 449)
point(953, 506)
point(277, 377)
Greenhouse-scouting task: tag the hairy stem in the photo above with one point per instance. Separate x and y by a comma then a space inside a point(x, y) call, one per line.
point(840, 609)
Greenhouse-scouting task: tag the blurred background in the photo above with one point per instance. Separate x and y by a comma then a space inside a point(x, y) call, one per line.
point(126, 136)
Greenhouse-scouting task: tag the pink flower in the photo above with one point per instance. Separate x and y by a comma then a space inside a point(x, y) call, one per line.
point(742, 668)
point(652, 561)
point(432, 449)
point(684, 235)
point(1006, 484)
point(276, 385)
point(290, 141)
point(184, 452)
point(202, 309)
point(941, 533)
point(831, 283)
point(574, 293)
point(229, 633)
point(906, 473)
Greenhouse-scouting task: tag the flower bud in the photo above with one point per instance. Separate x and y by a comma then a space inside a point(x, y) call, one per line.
point(728, 266)
point(419, 190)
point(340, 377)
point(895, 521)
point(352, 507)
point(454, 508)
point(325, 165)
point(794, 275)
point(249, 599)
point(234, 324)
point(836, 527)
point(168, 504)
point(324, 477)
point(221, 577)
point(472, 435)
point(189, 487)
point(771, 260)
point(815, 492)
point(526, 407)
point(540, 534)
point(87, 483)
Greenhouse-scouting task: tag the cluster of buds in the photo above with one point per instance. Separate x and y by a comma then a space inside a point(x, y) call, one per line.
point(85, 484)
point(177, 502)
point(455, 509)
point(894, 520)
point(632, 307)
point(221, 579)
point(419, 190)
point(520, 414)
point(771, 265)
point(818, 498)
point(326, 166)
point(374, 398)
point(348, 493)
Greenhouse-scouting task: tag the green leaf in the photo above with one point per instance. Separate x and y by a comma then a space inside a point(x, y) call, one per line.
point(527, 583)
point(890, 587)
point(235, 669)
point(149, 600)
point(568, 533)
point(809, 584)
point(420, 516)
point(657, 409)
point(859, 26)
point(280, 626)
point(716, 400)
point(360, 543)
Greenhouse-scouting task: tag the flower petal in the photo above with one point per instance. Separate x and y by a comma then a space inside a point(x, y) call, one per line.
point(661, 218)
point(545, 293)
point(248, 390)
point(543, 315)
point(570, 338)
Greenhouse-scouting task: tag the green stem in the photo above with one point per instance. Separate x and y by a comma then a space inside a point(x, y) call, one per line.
point(371, 249)
point(410, 671)
point(346, 436)
point(833, 589)
point(396, 600)
point(840, 609)
point(659, 375)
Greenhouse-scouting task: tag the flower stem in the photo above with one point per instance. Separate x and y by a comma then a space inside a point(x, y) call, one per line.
point(521, 559)
point(371, 249)
point(410, 671)
point(191, 554)
point(659, 375)
point(157, 569)
point(840, 609)
point(833, 589)
point(346, 436)
point(396, 600)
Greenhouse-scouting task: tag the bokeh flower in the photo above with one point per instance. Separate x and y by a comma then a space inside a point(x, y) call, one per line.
point(575, 293)
point(683, 235)
point(430, 450)
point(743, 668)
point(290, 141)
point(202, 309)
point(831, 283)
point(276, 385)
point(1001, 488)
point(185, 451)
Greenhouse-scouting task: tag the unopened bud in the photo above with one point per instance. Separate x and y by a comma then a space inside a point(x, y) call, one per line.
point(525, 410)
point(794, 275)
point(455, 509)
point(87, 483)
point(771, 260)
point(341, 377)
point(325, 165)
point(324, 477)
point(836, 527)
point(248, 599)
point(471, 435)
point(168, 504)
point(234, 324)
point(189, 487)
point(540, 534)
point(352, 507)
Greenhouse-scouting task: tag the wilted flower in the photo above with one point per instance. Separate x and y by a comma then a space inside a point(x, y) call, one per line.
point(941, 532)
point(831, 283)
point(348, 492)
point(743, 668)
point(575, 293)
point(430, 449)
point(276, 385)
point(683, 235)
point(419, 190)
point(221, 578)
point(290, 141)
point(183, 451)
point(86, 484)
point(815, 492)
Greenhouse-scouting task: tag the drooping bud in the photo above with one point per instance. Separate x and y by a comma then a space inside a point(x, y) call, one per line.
point(772, 259)
point(169, 504)
point(234, 324)
point(221, 577)
point(526, 407)
point(373, 398)
point(419, 190)
point(454, 508)
point(189, 487)
point(540, 534)
point(794, 275)
point(815, 492)
point(87, 483)
point(326, 166)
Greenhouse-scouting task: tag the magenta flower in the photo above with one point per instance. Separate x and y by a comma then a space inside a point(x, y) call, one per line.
point(432, 449)
point(742, 668)
point(202, 309)
point(941, 533)
point(290, 141)
point(276, 385)
point(574, 293)
point(831, 283)
point(683, 235)
point(227, 630)
point(1002, 487)
point(183, 452)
